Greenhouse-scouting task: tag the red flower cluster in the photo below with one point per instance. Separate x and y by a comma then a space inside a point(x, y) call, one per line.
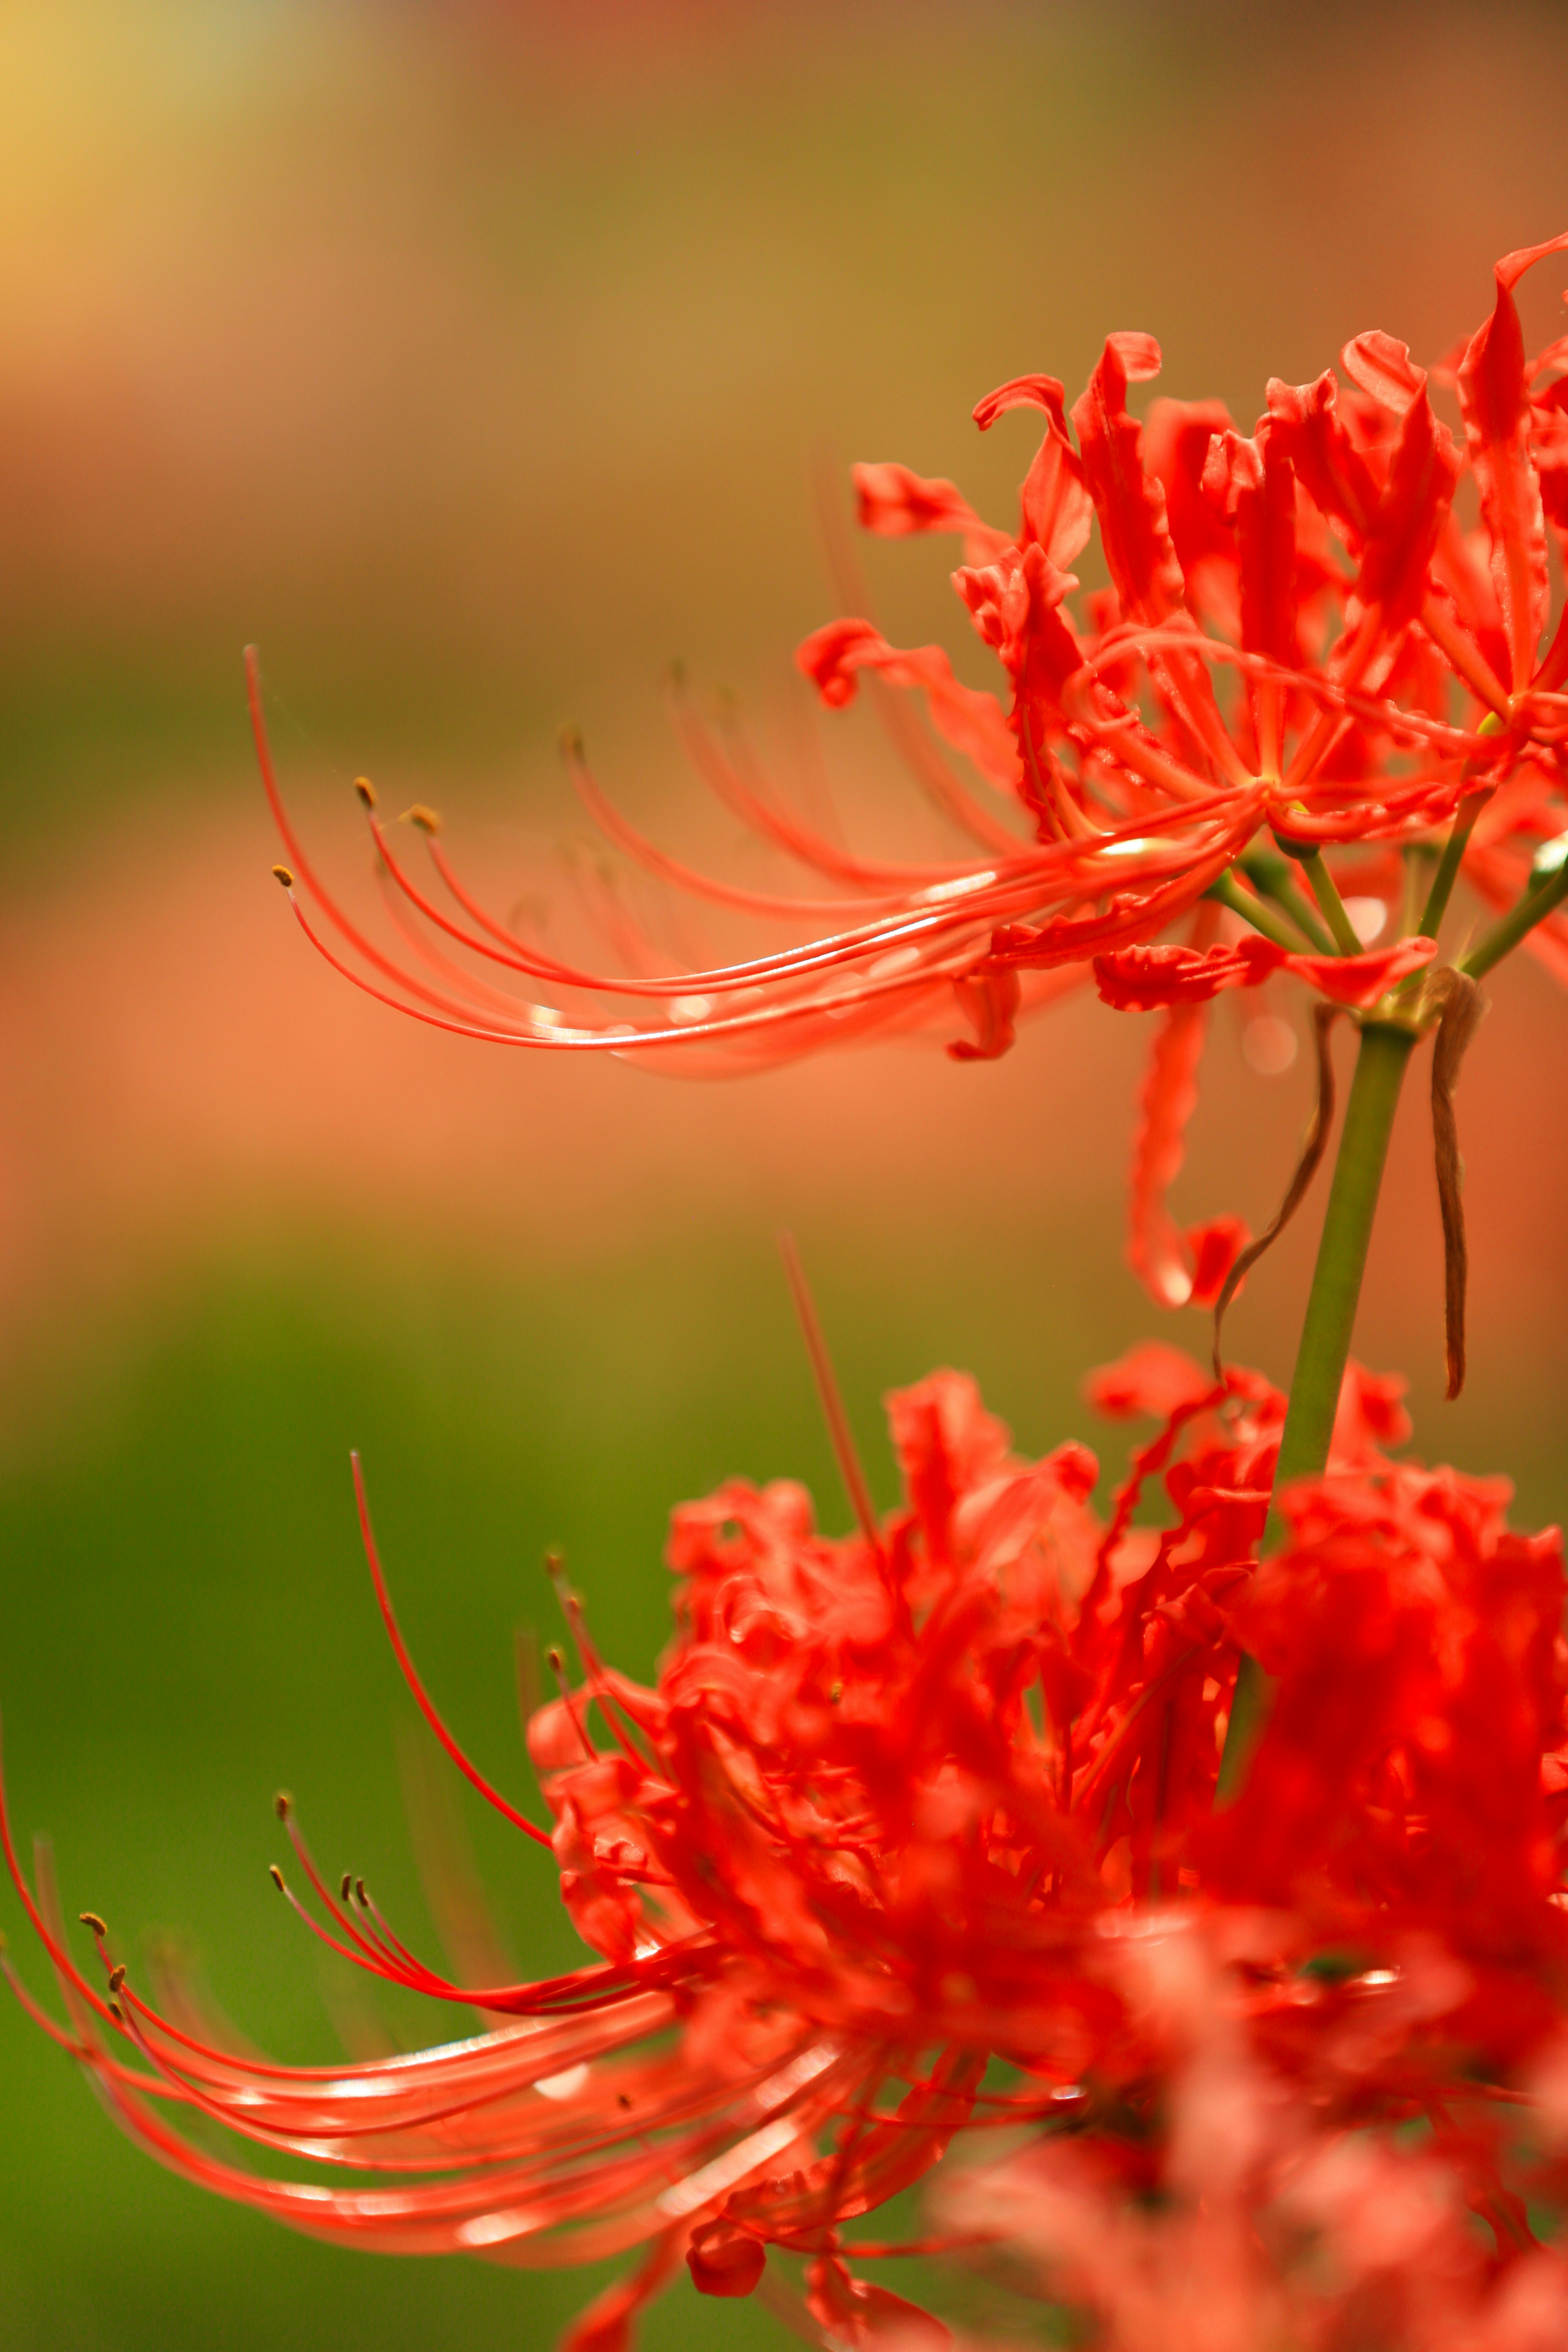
point(1290, 622)
point(915, 1836)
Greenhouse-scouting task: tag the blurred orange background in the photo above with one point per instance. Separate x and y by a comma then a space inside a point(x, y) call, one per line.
point(473, 359)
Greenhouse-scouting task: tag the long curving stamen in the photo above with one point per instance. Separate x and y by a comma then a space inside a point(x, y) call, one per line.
point(65, 1966)
point(619, 829)
point(923, 758)
point(832, 1401)
point(421, 1697)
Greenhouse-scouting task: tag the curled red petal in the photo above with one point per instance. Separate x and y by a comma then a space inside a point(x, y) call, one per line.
point(1305, 418)
point(1154, 1246)
point(1177, 435)
point(1131, 504)
point(1045, 392)
point(724, 2260)
point(989, 1002)
point(1140, 979)
point(971, 722)
point(1057, 511)
point(1151, 1377)
point(895, 503)
point(1213, 1249)
point(1255, 483)
point(1494, 399)
point(1359, 980)
point(1410, 514)
point(1385, 369)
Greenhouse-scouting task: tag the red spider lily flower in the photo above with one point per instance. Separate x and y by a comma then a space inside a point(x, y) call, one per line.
point(1291, 620)
point(888, 1852)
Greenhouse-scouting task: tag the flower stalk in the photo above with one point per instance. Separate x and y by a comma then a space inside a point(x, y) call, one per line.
point(1333, 906)
point(1325, 1344)
point(1548, 888)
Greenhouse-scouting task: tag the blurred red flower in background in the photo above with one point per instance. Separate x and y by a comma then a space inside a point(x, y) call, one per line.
point(915, 1835)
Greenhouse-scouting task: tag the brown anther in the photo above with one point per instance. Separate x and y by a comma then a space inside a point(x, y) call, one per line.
point(365, 790)
point(426, 819)
point(282, 1804)
point(347, 1886)
point(116, 2012)
point(90, 1919)
point(283, 875)
point(276, 1875)
point(622, 2101)
point(572, 745)
point(555, 1661)
point(117, 1978)
point(363, 1898)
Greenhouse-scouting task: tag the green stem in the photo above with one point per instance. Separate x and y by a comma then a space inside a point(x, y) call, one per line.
point(1252, 910)
point(1324, 1350)
point(1548, 888)
point(1421, 863)
point(1274, 877)
point(1328, 897)
point(1452, 857)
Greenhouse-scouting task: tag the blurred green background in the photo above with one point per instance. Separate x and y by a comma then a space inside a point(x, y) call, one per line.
point(471, 358)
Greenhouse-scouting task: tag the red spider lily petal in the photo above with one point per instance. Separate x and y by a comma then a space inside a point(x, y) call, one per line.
point(971, 722)
point(1177, 435)
point(724, 2260)
point(897, 504)
point(1361, 980)
point(854, 2312)
point(1212, 1250)
point(1372, 1416)
point(1252, 483)
point(1138, 979)
point(1493, 396)
point(1151, 1378)
point(1156, 1251)
point(1404, 531)
point(1418, 1647)
point(990, 1003)
point(1056, 510)
point(1135, 535)
point(1305, 418)
point(1131, 506)
point(609, 2324)
point(1384, 371)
